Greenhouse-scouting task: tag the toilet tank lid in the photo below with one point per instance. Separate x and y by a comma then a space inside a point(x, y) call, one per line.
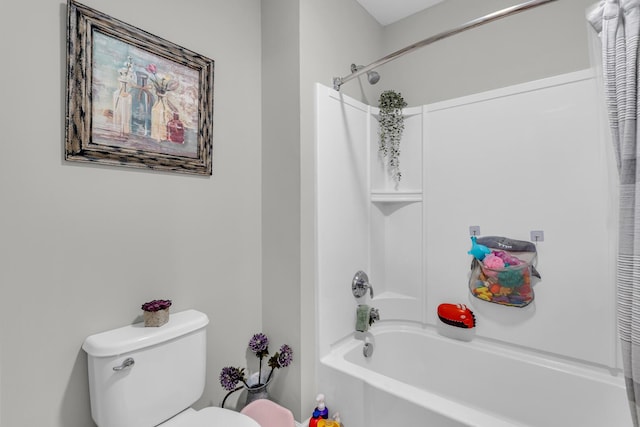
point(137, 336)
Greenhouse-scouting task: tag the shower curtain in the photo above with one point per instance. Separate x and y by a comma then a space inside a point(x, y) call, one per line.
point(618, 24)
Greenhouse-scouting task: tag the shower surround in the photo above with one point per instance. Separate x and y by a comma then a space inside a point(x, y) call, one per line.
point(527, 157)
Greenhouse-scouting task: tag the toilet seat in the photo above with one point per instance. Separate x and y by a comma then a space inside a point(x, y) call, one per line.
point(210, 417)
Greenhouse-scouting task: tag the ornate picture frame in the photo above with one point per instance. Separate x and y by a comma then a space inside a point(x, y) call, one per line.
point(135, 99)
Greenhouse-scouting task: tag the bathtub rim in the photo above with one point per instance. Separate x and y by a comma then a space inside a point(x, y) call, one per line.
point(605, 374)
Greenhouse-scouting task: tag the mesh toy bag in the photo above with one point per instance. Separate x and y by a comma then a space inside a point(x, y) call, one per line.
point(505, 275)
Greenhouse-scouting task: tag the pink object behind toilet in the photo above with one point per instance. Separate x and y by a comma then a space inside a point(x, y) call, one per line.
point(269, 414)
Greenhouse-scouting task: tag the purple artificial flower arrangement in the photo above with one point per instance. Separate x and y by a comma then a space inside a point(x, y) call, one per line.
point(259, 344)
point(156, 305)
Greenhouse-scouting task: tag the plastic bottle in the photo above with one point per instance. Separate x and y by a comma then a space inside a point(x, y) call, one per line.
point(333, 422)
point(321, 411)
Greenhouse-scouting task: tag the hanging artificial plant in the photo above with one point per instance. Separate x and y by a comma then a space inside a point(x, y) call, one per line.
point(391, 104)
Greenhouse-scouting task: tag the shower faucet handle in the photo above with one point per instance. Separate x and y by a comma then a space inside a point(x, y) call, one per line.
point(360, 284)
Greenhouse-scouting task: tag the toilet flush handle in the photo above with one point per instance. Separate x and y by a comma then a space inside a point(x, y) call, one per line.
point(128, 362)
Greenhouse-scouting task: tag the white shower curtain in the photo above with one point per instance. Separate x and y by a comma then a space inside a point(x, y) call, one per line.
point(618, 24)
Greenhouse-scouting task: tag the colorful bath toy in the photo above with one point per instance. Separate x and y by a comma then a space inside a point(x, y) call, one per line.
point(510, 278)
point(503, 291)
point(507, 258)
point(456, 315)
point(517, 299)
point(493, 262)
point(478, 251)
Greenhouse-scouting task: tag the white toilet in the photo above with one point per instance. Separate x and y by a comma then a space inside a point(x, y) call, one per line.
point(145, 377)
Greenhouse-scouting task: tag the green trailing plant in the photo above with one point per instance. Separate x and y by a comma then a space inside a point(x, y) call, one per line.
point(391, 128)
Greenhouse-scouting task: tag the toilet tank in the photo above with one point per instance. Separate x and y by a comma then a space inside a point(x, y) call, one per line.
point(167, 374)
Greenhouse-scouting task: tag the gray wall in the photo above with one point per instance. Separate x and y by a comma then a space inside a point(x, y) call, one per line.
point(281, 191)
point(541, 42)
point(83, 246)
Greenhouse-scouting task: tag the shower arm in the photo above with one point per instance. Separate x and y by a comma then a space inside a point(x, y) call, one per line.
point(338, 81)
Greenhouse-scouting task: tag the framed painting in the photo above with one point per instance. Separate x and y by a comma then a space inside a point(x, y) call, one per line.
point(134, 99)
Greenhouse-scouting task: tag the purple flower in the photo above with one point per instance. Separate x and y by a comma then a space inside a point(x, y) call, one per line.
point(230, 376)
point(281, 359)
point(286, 356)
point(156, 305)
point(259, 344)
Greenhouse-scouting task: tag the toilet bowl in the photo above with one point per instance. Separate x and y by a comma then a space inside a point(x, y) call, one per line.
point(150, 376)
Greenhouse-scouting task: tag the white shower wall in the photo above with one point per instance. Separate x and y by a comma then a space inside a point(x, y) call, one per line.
point(527, 157)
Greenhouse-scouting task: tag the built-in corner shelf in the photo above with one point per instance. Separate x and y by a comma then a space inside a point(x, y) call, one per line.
point(389, 295)
point(396, 197)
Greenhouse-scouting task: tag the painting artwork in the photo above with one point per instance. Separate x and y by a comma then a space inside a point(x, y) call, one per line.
point(134, 99)
point(141, 100)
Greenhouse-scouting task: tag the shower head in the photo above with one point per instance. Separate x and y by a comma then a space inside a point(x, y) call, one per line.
point(372, 76)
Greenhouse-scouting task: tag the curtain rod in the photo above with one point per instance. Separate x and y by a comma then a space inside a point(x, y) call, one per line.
point(338, 81)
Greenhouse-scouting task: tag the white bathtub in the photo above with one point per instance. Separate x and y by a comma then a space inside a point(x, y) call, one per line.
point(417, 377)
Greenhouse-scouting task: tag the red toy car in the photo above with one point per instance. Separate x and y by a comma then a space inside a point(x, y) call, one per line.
point(456, 315)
